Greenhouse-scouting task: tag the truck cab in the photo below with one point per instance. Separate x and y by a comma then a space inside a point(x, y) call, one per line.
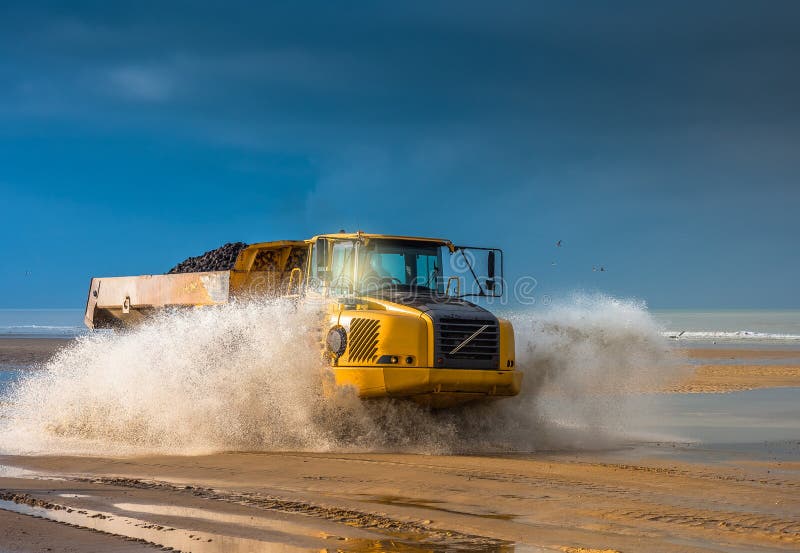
point(399, 321)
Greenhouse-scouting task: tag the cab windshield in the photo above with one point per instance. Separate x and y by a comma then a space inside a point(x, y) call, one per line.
point(343, 267)
point(399, 263)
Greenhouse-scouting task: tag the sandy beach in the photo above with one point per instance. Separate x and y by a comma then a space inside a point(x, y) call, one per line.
point(641, 495)
point(28, 351)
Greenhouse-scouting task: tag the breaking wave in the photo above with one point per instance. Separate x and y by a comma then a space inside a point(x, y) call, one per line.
point(251, 377)
point(37, 331)
point(730, 336)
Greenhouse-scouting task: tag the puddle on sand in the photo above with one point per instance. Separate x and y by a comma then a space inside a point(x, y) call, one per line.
point(186, 540)
point(241, 521)
point(178, 539)
point(11, 471)
point(7, 471)
point(431, 505)
point(752, 416)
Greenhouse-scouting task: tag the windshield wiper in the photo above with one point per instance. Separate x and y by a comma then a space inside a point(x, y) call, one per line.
point(478, 282)
point(432, 276)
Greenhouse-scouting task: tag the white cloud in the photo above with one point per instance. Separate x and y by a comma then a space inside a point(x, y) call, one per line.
point(141, 83)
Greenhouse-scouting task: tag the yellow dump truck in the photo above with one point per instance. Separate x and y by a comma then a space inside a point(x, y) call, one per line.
point(397, 324)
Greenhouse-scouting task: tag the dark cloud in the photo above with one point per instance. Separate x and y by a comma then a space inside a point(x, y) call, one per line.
point(628, 126)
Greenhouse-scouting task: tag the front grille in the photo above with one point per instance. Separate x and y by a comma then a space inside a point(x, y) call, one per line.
point(363, 340)
point(480, 352)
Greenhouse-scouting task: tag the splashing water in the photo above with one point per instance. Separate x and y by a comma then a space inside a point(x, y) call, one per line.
point(251, 377)
point(583, 360)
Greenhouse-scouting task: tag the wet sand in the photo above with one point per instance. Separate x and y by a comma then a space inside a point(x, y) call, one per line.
point(737, 369)
point(638, 496)
point(733, 378)
point(23, 533)
point(595, 501)
point(744, 352)
point(21, 352)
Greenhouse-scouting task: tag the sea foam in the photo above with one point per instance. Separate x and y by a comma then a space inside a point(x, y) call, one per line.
point(731, 336)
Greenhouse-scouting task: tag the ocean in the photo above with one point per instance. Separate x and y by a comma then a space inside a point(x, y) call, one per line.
point(731, 326)
point(41, 323)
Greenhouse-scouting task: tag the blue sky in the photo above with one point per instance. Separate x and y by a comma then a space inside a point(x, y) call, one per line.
point(660, 141)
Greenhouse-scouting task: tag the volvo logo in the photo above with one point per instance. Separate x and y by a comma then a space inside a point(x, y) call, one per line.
point(468, 340)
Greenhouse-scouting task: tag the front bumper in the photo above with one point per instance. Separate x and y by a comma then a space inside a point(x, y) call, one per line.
point(436, 387)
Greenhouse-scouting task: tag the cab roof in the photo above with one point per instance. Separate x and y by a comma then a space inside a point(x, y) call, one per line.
point(369, 236)
point(347, 236)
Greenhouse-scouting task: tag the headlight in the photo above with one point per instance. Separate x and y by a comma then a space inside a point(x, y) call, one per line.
point(336, 341)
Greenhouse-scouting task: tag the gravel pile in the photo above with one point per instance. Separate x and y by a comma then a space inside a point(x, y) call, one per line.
point(220, 259)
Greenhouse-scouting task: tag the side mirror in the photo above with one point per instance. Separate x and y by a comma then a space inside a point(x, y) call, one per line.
point(322, 253)
point(490, 270)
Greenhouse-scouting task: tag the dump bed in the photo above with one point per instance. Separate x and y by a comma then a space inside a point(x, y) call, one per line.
point(261, 270)
point(121, 301)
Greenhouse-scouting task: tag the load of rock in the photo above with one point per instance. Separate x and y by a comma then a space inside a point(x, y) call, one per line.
point(220, 259)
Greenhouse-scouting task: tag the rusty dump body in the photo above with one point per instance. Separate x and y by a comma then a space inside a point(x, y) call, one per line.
point(264, 269)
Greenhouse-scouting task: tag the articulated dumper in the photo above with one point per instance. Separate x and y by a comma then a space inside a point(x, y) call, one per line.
point(397, 323)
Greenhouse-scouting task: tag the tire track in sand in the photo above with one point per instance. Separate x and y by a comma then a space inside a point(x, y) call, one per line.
point(746, 525)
